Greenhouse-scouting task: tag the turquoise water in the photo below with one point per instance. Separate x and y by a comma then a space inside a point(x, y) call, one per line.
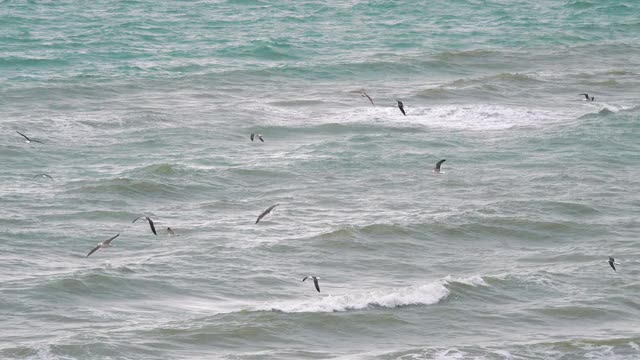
point(145, 109)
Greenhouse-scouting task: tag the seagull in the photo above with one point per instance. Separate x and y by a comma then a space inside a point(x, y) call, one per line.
point(401, 107)
point(264, 213)
point(438, 164)
point(104, 244)
point(258, 135)
point(588, 98)
point(315, 281)
point(613, 262)
point(171, 232)
point(364, 94)
point(29, 140)
point(153, 228)
point(43, 175)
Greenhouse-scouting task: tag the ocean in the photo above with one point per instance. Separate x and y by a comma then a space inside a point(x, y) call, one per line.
point(145, 108)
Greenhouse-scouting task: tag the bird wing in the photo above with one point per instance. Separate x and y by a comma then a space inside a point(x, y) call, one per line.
point(252, 135)
point(23, 135)
point(45, 175)
point(439, 163)
point(136, 219)
point(170, 231)
point(264, 213)
point(38, 141)
point(260, 137)
point(315, 282)
point(585, 95)
point(368, 97)
point(612, 266)
point(153, 228)
point(401, 107)
point(305, 278)
point(108, 241)
point(94, 249)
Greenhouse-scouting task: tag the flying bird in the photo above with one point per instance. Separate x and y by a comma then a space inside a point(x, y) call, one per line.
point(264, 213)
point(587, 97)
point(43, 175)
point(401, 107)
point(613, 262)
point(315, 281)
point(29, 140)
point(364, 94)
point(104, 244)
point(438, 164)
point(153, 228)
point(258, 135)
point(171, 232)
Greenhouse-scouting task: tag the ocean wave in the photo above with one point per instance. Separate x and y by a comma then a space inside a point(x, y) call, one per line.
point(426, 294)
point(124, 186)
point(460, 117)
point(609, 349)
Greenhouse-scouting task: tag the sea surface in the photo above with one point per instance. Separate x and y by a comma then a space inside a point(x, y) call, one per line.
point(145, 108)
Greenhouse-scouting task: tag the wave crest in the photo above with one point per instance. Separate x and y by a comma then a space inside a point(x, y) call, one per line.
point(426, 294)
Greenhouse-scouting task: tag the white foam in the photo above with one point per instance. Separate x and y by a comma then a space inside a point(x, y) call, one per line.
point(426, 294)
point(461, 117)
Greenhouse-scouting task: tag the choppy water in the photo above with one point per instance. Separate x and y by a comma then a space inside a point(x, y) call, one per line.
point(145, 108)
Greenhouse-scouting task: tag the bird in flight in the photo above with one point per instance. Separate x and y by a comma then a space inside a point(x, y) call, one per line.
point(587, 97)
point(28, 139)
point(613, 262)
point(153, 228)
point(253, 135)
point(43, 175)
point(315, 281)
point(264, 213)
point(401, 107)
point(364, 94)
point(171, 232)
point(104, 244)
point(438, 164)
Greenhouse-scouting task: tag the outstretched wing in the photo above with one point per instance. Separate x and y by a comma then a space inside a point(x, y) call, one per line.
point(252, 135)
point(94, 249)
point(315, 282)
point(401, 107)
point(368, 97)
point(305, 278)
point(260, 137)
point(264, 213)
point(153, 228)
point(108, 241)
point(439, 163)
point(23, 135)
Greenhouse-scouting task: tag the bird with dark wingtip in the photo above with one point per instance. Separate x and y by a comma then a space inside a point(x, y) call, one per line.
point(364, 94)
point(253, 135)
point(438, 165)
point(104, 244)
point(43, 175)
point(401, 107)
point(28, 139)
point(264, 213)
point(153, 228)
point(587, 97)
point(613, 263)
point(315, 281)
